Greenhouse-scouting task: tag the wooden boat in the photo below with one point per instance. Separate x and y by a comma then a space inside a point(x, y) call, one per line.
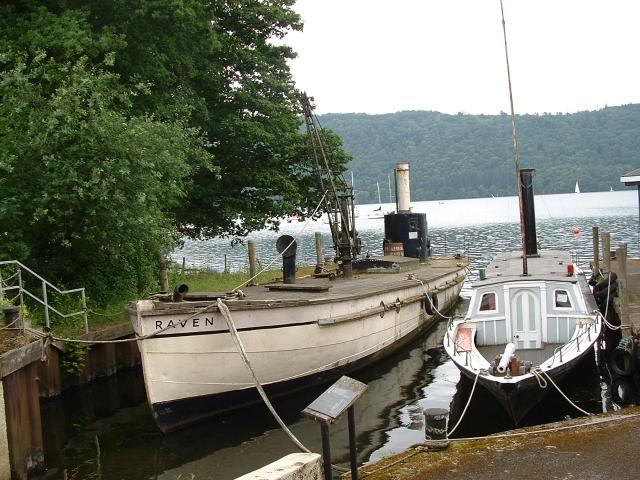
point(295, 335)
point(519, 331)
point(531, 317)
point(297, 332)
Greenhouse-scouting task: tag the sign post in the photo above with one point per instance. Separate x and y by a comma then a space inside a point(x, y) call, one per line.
point(328, 408)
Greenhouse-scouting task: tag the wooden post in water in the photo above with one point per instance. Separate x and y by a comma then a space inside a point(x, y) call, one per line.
point(606, 251)
point(164, 276)
point(184, 264)
point(596, 250)
point(623, 290)
point(252, 262)
point(319, 253)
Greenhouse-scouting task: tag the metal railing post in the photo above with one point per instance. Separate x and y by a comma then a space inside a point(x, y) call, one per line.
point(20, 285)
point(46, 303)
point(84, 312)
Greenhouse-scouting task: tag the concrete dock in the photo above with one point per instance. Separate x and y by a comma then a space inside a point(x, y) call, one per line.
point(597, 447)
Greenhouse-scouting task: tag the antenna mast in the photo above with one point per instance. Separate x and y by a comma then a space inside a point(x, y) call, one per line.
point(516, 149)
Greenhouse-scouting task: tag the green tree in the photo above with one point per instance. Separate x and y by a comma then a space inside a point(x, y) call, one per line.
point(125, 119)
point(86, 191)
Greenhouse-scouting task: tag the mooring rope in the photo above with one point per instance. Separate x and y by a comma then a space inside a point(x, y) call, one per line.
point(426, 293)
point(224, 310)
point(539, 373)
point(475, 381)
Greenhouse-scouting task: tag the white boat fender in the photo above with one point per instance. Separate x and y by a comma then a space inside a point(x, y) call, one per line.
point(509, 350)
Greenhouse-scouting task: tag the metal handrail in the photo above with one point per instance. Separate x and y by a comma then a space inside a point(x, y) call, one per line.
point(44, 301)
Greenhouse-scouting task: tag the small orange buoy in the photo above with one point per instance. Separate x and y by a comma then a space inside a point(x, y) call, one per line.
point(576, 231)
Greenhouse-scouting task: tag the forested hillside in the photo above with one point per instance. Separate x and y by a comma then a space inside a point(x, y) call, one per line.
point(463, 156)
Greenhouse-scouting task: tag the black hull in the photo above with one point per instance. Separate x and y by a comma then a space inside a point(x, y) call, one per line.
point(519, 398)
point(178, 414)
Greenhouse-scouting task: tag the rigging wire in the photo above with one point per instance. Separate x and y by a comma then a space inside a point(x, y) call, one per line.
point(516, 149)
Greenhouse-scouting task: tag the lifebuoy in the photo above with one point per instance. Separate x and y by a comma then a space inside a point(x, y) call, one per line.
point(622, 361)
point(430, 303)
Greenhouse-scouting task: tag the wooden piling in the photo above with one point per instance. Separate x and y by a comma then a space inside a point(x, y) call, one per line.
point(164, 275)
point(596, 249)
point(253, 265)
point(49, 379)
point(22, 410)
point(319, 253)
point(102, 358)
point(606, 251)
point(623, 290)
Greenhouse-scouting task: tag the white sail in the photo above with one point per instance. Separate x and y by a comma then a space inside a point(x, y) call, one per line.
point(577, 187)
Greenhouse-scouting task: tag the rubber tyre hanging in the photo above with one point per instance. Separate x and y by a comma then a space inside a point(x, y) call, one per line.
point(622, 361)
point(623, 391)
point(431, 307)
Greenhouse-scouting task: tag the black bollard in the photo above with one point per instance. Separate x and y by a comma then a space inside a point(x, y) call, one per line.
point(12, 317)
point(435, 427)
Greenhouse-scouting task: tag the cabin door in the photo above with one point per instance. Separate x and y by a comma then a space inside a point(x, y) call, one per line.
point(526, 320)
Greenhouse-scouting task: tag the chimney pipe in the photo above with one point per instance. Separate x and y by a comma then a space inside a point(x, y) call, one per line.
point(529, 213)
point(286, 245)
point(403, 190)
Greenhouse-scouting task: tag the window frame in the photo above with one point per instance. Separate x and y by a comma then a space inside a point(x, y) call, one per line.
point(495, 302)
point(555, 305)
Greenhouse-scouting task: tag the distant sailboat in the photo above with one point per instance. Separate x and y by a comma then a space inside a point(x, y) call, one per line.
point(610, 188)
point(577, 187)
point(377, 213)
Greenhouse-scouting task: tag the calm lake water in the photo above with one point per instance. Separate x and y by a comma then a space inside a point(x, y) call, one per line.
point(106, 432)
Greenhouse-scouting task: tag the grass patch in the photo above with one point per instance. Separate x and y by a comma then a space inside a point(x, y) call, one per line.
point(114, 313)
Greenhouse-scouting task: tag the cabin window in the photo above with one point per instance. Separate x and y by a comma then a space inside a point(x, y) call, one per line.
point(488, 302)
point(562, 299)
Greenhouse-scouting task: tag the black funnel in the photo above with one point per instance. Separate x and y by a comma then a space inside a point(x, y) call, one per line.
point(286, 246)
point(528, 211)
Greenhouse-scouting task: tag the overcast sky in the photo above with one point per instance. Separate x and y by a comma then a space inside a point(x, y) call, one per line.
point(381, 56)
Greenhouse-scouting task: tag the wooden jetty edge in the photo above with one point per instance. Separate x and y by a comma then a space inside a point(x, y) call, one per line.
point(33, 373)
point(599, 446)
point(627, 300)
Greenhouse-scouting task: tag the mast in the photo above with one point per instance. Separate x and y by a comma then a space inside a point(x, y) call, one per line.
point(339, 197)
point(516, 150)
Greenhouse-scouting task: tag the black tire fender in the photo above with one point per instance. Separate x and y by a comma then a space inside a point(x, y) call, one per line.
point(430, 303)
point(623, 391)
point(622, 361)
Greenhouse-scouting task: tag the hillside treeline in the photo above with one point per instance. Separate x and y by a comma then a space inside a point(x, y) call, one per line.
point(466, 156)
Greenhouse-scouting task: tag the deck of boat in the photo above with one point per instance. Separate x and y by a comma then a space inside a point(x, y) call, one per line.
point(535, 355)
point(361, 284)
point(310, 290)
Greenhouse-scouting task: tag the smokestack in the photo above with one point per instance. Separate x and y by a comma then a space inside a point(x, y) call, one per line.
point(403, 191)
point(529, 212)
